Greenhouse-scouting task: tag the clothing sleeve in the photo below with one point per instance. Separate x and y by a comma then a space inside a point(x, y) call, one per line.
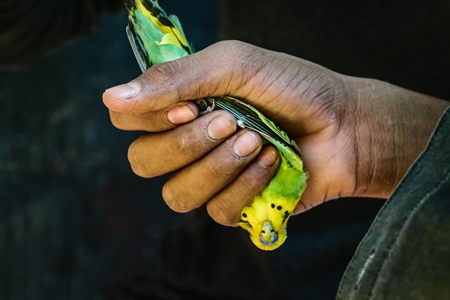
point(405, 253)
point(31, 28)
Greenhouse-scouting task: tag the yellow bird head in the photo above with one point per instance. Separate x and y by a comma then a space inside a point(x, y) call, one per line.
point(266, 222)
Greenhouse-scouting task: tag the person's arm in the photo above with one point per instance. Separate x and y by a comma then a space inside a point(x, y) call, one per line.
point(358, 136)
point(30, 29)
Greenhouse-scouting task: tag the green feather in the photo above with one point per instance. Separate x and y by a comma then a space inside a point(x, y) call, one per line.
point(155, 38)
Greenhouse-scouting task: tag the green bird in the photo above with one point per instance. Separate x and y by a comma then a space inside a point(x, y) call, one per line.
point(156, 37)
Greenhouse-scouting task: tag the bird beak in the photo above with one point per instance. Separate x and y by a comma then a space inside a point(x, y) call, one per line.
point(268, 235)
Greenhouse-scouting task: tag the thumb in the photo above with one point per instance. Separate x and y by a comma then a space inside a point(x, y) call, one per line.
point(221, 69)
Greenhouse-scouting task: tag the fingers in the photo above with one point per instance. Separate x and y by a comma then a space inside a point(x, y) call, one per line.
point(296, 94)
point(155, 121)
point(156, 154)
point(219, 70)
point(224, 178)
point(214, 163)
point(225, 207)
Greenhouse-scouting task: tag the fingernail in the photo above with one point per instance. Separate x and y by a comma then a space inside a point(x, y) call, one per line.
point(267, 157)
point(220, 127)
point(180, 114)
point(246, 144)
point(125, 91)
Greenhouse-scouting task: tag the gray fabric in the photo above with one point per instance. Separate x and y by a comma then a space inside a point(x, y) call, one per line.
point(406, 252)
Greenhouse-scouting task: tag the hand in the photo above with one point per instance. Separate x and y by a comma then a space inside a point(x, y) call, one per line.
point(358, 136)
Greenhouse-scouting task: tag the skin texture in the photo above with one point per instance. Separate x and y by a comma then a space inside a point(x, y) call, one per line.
point(358, 136)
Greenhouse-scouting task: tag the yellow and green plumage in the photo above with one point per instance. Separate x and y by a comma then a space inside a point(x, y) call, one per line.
point(156, 38)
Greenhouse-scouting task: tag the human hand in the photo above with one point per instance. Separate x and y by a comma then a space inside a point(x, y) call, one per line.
point(350, 130)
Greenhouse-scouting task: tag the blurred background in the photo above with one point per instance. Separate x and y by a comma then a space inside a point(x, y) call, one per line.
point(73, 217)
point(76, 223)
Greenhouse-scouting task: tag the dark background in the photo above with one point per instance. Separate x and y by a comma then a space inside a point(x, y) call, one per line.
point(73, 216)
point(76, 223)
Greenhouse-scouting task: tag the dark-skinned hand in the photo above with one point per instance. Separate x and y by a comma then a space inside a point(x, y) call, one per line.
point(358, 136)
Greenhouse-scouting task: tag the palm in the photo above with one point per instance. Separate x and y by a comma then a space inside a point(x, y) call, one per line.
point(303, 99)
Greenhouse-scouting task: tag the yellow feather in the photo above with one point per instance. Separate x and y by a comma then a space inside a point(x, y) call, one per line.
point(265, 218)
point(177, 37)
point(169, 39)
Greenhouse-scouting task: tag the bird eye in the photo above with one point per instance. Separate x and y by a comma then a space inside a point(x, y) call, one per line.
point(263, 231)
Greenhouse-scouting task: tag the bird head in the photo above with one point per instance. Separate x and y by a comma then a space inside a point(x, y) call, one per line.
point(269, 238)
point(265, 235)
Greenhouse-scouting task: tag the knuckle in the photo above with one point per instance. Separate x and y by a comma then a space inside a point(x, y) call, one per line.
point(173, 200)
point(232, 46)
point(232, 54)
point(221, 214)
point(240, 61)
point(167, 81)
point(117, 120)
point(226, 167)
point(163, 74)
point(135, 162)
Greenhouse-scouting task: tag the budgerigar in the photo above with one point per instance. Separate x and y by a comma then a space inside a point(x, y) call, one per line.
point(156, 38)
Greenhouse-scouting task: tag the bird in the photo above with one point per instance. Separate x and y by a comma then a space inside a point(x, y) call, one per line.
point(156, 37)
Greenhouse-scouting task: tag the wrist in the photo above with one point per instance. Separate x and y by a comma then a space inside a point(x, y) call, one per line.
point(392, 126)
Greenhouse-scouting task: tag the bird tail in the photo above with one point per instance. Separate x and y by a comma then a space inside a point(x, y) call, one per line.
point(154, 36)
